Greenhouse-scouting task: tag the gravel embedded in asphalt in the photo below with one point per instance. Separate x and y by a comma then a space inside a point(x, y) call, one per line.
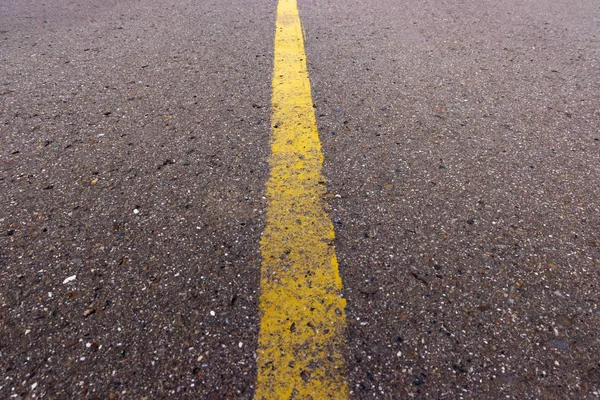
point(461, 144)
point(462, 139)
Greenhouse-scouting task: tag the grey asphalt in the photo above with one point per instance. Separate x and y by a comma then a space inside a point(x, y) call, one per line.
point(463, 140)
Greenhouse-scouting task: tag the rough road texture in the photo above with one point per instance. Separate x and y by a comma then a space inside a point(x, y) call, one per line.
point(462, 138)
point(111, 107)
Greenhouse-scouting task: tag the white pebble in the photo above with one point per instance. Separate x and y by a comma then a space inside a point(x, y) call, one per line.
point(212, 313)
point(136, 211)
point(240, 345)
point(70, 279)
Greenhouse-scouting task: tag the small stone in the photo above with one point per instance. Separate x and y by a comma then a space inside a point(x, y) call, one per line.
point(70, 279)
point(418, 381)
point(88, 312)
point(564, 321)
point(559, 344)
point(212, 313)
point(305, 375)
point(368, 289)
point(136, 211)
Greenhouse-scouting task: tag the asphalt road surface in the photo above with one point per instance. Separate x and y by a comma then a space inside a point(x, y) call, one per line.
point(461, 145)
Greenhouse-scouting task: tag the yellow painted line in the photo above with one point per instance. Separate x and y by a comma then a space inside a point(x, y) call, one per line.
point(301, 340)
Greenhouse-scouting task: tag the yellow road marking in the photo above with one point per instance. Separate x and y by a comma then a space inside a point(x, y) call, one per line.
point(301, 340)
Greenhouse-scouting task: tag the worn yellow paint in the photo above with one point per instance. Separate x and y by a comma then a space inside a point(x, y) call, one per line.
point(301, 340)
